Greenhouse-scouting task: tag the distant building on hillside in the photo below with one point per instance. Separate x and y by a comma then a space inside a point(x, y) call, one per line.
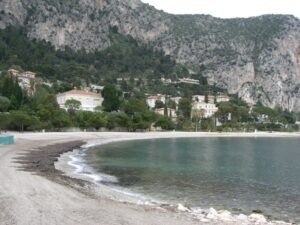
point(222, 98)
point(89, 100)
point(171, 113)
point(25, 80)
point(198, 98)
point(166, 81)
point(153, 98)
point(175, 99)
point(209, 108)
point(96, 88)
point(13, 72)
point(189, 81)
point(211, 99)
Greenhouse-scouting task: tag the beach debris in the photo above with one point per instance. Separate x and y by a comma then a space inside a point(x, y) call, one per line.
point(225, 215)
point(212, 214)
point(242, 218)
point(257, 218)
point(182, 208)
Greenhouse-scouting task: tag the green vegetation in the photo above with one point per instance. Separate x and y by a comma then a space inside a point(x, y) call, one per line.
point(140, 68)
point(125, 58)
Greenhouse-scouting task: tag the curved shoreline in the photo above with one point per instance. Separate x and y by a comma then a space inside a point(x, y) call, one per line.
point(139, 199)
point(29, 199)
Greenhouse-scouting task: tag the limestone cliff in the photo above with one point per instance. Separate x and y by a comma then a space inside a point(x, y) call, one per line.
point(258, 58)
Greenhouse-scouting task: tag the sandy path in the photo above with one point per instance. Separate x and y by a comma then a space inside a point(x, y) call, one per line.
point(27, 199)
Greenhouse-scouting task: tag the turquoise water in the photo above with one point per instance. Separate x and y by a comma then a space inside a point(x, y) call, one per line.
point(237, 174)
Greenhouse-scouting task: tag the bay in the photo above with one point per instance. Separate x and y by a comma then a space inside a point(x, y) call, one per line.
point(238, 174)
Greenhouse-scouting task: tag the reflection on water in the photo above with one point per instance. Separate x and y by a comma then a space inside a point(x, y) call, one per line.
point(239, 174)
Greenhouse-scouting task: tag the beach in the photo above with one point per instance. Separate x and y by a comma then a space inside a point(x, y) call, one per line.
point(33, 191)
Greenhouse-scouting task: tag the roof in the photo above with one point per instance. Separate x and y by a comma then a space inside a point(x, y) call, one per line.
point(81, 92)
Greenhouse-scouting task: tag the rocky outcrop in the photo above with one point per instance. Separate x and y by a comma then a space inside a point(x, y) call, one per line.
point(257, 58)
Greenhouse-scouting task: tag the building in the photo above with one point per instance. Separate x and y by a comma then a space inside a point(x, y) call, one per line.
point(13, 72)
point(209, 108)
point(27, 74)
point(176, 99)
point(222, 98)
point(96, 88)
point(166, 81)
point(189, 81)
point(25, 80)
point(89, 100)
point(171, 113)
point(151, 100)
point(211, 99)
point(198, 98)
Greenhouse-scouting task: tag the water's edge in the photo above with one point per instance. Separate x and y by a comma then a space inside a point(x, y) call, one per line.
point(73, 165)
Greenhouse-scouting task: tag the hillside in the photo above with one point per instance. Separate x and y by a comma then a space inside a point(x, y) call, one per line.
point(258, 58)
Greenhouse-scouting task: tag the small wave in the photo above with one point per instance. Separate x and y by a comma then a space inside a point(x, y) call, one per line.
point(77, 162)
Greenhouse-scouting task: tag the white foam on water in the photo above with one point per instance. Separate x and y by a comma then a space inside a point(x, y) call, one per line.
point(77, 162)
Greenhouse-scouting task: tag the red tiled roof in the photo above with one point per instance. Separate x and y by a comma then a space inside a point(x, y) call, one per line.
point(81, 92)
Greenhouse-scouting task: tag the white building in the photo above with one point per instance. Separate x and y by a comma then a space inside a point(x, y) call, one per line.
point(189, 81)
point(209, 108)
point(222, 98)
point(25, 80)
point(166, 81)
point(171, 113)
point(153, 98)
point(176, 99)
point(96, 88)
point(198, 98)
point(89, 100)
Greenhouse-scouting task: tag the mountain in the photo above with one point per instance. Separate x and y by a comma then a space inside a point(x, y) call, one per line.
point(257, 58)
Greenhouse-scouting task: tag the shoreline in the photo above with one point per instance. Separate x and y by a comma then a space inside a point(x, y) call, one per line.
point(70, 167)
point(75, 196)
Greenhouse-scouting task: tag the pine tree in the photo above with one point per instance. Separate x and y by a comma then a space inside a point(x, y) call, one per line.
point(18, 93)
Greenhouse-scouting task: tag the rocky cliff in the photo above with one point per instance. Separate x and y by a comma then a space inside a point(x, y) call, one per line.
point(258, 58)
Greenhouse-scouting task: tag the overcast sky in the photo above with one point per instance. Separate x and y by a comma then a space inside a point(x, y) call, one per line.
point(228, 8)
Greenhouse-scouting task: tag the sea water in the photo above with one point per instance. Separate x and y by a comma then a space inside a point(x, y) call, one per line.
point(237, 174)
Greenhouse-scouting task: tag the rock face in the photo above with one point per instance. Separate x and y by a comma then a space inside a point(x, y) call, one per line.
point(257, 58)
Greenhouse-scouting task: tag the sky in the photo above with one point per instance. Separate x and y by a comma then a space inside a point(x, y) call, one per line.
point(228, 8)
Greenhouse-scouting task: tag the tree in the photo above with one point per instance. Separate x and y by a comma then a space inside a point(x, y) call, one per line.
point(185, 107)
point(111, 97)
point(118, 120)
point(61, 119)
point(84, 119)
point(206, 98)
point(99, 120)
point(72, 105)
point(4, 120)
point(21, 119)
point(197, 115)
point(159, 104)
point(7, 86)
point(165, 123)
point(134, 105)
point(18, 93)
point(4, 104)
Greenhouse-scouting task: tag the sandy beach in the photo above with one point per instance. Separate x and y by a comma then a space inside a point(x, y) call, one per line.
point(34, 192)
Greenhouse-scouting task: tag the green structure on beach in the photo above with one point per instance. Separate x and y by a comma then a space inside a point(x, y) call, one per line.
point(6, 139)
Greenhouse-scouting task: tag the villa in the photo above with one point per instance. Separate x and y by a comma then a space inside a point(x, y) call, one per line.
point(89, 100)
point(151, 100)
point(209, 108)
point(171, 113)
point(25, 80)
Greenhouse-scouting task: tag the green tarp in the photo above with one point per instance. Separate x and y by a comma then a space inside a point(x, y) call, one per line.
point(6, 139)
